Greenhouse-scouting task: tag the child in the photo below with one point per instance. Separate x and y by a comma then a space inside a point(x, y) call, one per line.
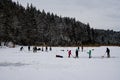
point(69, 53)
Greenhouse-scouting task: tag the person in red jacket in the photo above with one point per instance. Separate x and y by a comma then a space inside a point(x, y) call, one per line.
point(69, 53)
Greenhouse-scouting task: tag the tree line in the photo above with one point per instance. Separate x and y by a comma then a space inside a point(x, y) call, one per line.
point(29, 26)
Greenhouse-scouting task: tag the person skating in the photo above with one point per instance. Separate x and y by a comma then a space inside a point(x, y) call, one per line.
point(108, 52)
point(50, 48)
point(82, 48)
point(89, 53)
point(28, 48)
point(42, 48)
point(46, 48)
point(21, 48)
point(76, 52)
point(34, 49)
point(69, 53)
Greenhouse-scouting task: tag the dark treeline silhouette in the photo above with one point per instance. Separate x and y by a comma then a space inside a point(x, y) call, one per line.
point(29, 26)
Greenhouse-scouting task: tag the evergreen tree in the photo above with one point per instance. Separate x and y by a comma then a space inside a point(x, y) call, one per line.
point(29, 26)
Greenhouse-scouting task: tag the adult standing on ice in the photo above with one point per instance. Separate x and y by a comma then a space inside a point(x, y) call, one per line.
point(82, 48)
point(108, 52)
point(50, 48)
point(28, 48)
point(89, 53)
point(76, 52)
point(46, 48)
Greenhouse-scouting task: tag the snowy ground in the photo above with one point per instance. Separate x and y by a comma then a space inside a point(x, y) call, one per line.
point(26, 65)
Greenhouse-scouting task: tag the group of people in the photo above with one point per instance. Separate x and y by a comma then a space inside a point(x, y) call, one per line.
point(76, 53)
point(35, 49)
point(89, 53)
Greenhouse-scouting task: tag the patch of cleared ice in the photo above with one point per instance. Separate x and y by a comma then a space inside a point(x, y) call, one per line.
point(3, 64)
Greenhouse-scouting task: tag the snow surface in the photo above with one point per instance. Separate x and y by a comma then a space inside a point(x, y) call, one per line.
point(26, 65)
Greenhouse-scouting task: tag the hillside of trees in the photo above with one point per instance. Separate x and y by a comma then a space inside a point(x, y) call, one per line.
point(29, 26)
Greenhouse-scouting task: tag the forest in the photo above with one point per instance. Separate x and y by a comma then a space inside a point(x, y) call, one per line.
point(29, 26)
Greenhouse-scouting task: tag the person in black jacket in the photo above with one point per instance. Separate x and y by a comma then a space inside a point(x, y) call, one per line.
point(34, 49)
point(76, 52)
point(108, 52)
point(21, 48)
point(28, 48)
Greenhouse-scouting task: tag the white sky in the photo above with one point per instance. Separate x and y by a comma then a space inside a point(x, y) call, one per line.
point(100, 14)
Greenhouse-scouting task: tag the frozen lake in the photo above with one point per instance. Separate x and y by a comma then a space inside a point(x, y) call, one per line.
point(26, 65)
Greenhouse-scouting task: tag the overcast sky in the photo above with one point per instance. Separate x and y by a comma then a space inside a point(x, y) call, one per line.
point(100, 14)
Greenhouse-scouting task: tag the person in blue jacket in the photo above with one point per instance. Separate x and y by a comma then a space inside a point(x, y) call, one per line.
point(89, 52)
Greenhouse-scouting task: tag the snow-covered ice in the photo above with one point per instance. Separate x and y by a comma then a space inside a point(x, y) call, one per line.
point(26, 65)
